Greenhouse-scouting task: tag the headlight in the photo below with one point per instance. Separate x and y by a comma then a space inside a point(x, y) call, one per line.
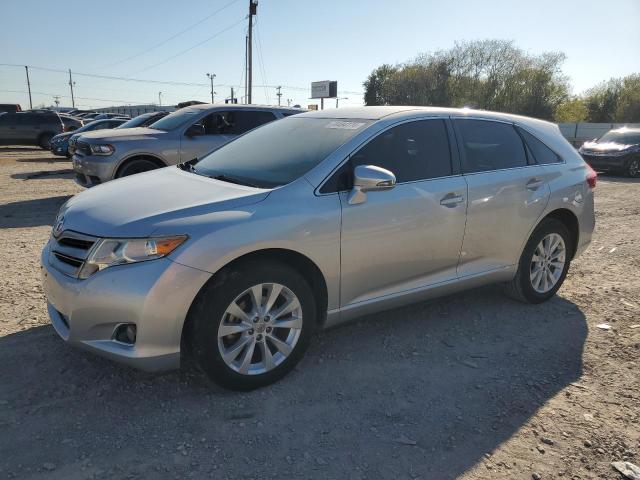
point(118, 251)
point(105, 149)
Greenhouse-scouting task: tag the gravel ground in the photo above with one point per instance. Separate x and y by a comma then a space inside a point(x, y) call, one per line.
point(472, 386)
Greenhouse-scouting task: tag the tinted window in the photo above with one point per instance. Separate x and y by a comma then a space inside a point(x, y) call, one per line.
point(245, 121)
point(490, 146)
point(412, 151)
point(281, 151)
point(541, 153)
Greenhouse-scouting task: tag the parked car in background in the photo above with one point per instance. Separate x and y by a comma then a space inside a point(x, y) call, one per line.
point(60, 143)
point(30, 128)
point(70, 122)
point(87, 117)
point(180, 136)
point(144, 120)
point(107, 124)
point(617, 151)
point(103, 116)
point(308, 222)
point(10, 107)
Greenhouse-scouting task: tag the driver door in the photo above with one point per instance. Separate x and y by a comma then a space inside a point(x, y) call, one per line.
point(410, 236)
point(217, 129)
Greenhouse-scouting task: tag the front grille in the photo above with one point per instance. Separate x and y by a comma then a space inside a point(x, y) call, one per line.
point(69, 251)
point(83, 148)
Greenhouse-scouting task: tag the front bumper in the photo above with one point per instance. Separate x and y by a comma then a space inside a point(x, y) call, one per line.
point(154, 295)
point(607, 163)
point(59, 149)
point(92, 170)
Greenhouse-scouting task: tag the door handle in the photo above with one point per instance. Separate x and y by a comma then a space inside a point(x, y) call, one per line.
point(534, 184)
point(451, 200)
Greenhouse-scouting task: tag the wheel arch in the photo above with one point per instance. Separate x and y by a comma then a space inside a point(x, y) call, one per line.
point(569, 220)
point(303, 264)
point(139, 156)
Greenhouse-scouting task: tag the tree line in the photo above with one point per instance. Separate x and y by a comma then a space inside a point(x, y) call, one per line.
point(496, 75)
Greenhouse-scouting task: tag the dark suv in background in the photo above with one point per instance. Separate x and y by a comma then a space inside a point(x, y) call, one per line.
point(10, 107)
point(616, 151)
point(30, 128)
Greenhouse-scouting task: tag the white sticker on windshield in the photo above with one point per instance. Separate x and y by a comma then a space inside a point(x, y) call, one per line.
point(344, 125)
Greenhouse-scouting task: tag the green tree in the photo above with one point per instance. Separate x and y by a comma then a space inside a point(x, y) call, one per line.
point(572, 110)
point(628, 108)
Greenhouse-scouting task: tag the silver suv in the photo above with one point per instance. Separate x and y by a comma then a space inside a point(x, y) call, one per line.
point(308, 222)
point(181, 136)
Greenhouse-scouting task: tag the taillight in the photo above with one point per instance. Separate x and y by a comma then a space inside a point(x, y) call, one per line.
point(592, 177)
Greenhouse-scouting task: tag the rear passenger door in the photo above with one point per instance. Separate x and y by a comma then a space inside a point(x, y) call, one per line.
point(508, 191)
point(410, 236)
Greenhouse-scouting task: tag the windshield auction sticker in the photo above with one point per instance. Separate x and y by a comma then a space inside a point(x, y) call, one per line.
point(344, 125)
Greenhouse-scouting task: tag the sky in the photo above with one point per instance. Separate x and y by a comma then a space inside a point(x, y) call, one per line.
point(295, 42)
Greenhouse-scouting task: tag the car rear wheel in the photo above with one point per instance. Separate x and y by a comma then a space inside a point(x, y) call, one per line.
point(44, 141)
point(544, 263)
point(633, 169)
point(253, 324)
point(138, 165)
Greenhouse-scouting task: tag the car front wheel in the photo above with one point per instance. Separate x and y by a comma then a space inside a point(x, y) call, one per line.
point(544, 263)
point(252, 324)
point(633, 169)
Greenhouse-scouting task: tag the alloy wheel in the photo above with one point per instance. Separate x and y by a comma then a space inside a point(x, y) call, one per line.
point(634, 168)
point(547, 263)
point(260, 328)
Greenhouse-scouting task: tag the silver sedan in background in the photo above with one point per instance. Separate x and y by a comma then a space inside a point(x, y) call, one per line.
point(181, 136)
point(308, 222)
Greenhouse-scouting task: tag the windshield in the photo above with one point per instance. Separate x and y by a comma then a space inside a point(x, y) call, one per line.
point(95, 125)
point(134, 122)
point(623, 138)
point(176, 119)
point(279, 152)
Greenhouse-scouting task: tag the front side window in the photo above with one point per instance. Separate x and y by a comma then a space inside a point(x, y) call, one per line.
point(279, 152)
point(490, 145)
point(412, 151)
point(542, 154)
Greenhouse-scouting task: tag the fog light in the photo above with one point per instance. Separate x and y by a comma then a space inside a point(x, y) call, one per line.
point(125, 333)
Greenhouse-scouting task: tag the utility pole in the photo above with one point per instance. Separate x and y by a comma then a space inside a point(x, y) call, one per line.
point(213, 97)
point(289, 100)
point(246, 67)
point(253, 10)
point(159, 99)
point(73, 101)
point(26, 69)
point(231, 95)
point(211, 77)
point(279, 94)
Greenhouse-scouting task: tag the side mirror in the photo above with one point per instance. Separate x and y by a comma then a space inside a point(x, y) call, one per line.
point(369, 178)
point(195, 130)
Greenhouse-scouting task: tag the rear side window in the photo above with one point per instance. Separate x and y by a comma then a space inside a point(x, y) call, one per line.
point(412, 151)
point(490, 146)
point(245, 121)
point(542, 154)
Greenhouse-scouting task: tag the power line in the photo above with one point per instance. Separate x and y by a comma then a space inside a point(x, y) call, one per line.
point(208, 39)
point(164, 42)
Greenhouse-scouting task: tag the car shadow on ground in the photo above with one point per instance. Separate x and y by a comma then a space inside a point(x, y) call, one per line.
point(46, 174)
point(31, 213)
point(426, 390)
point(21, 149)
point(44, 160)
point(611, 177)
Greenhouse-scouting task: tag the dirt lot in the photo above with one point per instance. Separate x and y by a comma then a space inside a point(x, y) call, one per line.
point(473, 386)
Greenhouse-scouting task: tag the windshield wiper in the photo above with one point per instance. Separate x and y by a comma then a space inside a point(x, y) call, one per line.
point(188, 165)
point(227, 178)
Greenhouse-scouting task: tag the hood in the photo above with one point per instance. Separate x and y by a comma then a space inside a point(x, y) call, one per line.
point(605, 147)
point(62, 136)
point(138, 205)
point(122, 134)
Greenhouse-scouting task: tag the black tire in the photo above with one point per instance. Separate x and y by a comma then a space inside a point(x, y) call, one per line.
point(521, 287)
point(137, 165)
point(44, 141)
point(209, 309)
point(633, 168)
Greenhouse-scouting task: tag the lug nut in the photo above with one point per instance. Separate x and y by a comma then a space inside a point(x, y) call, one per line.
point(256, 319)
point(259, 337)
point(250, 332)
point(268, 329)
point(267, 318)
